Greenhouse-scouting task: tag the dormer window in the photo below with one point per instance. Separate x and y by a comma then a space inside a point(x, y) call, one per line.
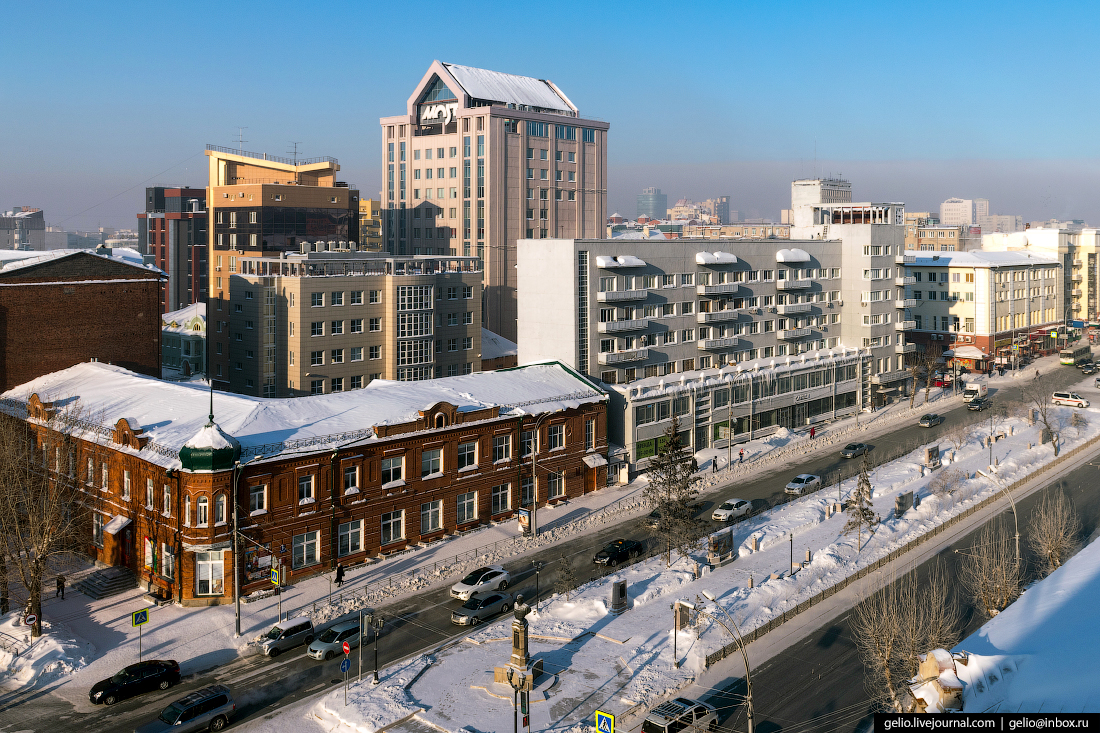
point(441, 421)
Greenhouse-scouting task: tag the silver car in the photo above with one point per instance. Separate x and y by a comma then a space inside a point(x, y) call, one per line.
point(731, 510)
point(492, 577)
point(207, 709)
point(331, 641)
point(802, 483)
point(287, 635)
point(480, 607)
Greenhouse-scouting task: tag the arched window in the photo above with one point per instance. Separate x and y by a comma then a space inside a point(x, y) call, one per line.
point(441, 421)
point(219, 509)
point(203, 517)
point(187, 511)
point(166, 509)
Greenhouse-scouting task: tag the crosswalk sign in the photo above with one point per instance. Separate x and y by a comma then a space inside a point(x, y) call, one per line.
point(137, 618)
point(605, 722)
point(274, 576)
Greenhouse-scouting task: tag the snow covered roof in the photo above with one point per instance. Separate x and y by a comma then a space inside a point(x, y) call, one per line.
point(494, 346)
point(978, 258)
point(497, 86)
point(638, 234)
point(171, 413)
point(182, 317)
point(13, 260)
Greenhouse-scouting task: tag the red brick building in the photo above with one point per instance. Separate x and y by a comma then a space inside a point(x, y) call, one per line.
point(344, 477)
point(65, 307)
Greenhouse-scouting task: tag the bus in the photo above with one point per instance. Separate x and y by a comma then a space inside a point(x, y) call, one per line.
point(1075, 354)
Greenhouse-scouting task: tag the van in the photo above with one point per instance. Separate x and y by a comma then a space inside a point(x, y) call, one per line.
point(1071, 399)
point(207, 709)
point(287, 635)
point(681, 715)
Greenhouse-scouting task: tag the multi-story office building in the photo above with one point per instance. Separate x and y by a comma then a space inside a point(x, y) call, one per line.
point(24, 227)
point(172, 233)
point(956, 211)
point(183, 342)
point(652, 204)
point(480, 159)
point(983, 305)
point(327, 321)
point(262, 206)
point(718, 208)
point(1005, 223)
point(370, 225)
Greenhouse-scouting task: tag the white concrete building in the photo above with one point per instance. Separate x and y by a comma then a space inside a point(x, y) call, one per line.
point(956, 211)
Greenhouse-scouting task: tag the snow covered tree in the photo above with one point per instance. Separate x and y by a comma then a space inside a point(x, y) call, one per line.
point(859, 506)
point(1036, 395)
point(1053, 530)
point(567, 577)
point(670, 489)
point(990, 572)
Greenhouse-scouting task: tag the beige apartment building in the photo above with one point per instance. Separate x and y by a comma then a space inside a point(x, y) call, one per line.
point(481, 159)
point(370, 225)
point(326, 321)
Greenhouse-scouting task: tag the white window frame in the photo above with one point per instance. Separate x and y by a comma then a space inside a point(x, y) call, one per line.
point(393, 469)
point(466, 505)
point(305, 550)
point(391, 521)
point(350, 538)
point(431, 516)
point(497, 506)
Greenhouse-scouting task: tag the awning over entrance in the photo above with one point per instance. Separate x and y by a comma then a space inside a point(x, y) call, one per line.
point(966, 352)
point(112, 527)
point(594, 460)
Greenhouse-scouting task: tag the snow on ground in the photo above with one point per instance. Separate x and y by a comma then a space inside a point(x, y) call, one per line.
point(25, 661)
point(1039, 654)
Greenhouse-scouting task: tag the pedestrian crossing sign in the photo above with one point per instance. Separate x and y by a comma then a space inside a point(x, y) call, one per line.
point(274, 576)
point(137, 618)
point(605, 722)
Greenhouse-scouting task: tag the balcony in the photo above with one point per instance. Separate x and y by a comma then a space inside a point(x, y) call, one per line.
point(793, 284)
point(904, 280)
point(620, 326)
point(792, 334)
point(725, 342)
point(1078, 263)
point(723, 289)
point(617, 296)
point(905, 325)
point(887, 377)
point(619, 357)
point(905, 348)
point(907, 303)
point(788, 308)
point(1076, 277)
point(1076, 292)
point(717, 316)
point(904, 259)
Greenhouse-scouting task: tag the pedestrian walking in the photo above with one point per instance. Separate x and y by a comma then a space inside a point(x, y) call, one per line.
point(714, 465)
point(742, 456)
point(1036, 373)
point(339, 574)
point(813, 432)
point(694, 465)
point(60, 587)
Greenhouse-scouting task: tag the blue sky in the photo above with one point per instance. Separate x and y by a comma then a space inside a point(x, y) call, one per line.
point(913, 101)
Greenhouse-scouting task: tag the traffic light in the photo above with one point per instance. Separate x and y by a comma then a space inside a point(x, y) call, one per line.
point(526, 721)
point(523, 703)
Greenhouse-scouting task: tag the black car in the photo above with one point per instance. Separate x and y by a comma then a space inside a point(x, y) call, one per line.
point(618, 551)
point(979, 404)
point(134, 680)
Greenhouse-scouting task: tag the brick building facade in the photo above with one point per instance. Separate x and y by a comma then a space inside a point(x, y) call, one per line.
point(372, 473)
point(67, 307)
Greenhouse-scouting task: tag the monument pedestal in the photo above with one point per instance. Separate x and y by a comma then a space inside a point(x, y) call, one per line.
point(530, 673)
point(521, 660)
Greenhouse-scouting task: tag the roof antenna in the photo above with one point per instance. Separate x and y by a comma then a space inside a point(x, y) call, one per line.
point(211, 403)
point(294, 152)
point(240, 139)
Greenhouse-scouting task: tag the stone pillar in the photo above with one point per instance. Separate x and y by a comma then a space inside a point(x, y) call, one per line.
point(619, 601)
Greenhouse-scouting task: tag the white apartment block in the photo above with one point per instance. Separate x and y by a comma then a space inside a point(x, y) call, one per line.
point(956, 211)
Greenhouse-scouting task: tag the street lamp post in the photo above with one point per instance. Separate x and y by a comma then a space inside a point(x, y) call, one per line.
point(1015, 517)
point(534, 482)
point(792, 551)
point(238, 469)
point(538, 567)
point(517, 680)
point(376, 622)
point(744, 654)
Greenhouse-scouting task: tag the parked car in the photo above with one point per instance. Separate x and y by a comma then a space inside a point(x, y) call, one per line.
point(208, 709)
point(287, 635)
point(1084, 363)
point(491, 577)
point(930, 420)
point(681, 715)
point(1072, 399)
point(979, 404)
point(802, 483)
point(133, 680)
point(1088, 369)
point(618, 551)
point(331, 640)
point(854, 449)
point(481, 606)
point(731, 509)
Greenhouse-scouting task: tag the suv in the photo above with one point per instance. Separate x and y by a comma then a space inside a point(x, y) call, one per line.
point(1069, 398)
point(980, 403)
point(681, 714)
point(208, 709)
point(618, 551)
point(287, 635)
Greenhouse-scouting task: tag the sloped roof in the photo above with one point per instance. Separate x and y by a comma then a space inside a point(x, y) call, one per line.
point(508, 88)
point(13, 260)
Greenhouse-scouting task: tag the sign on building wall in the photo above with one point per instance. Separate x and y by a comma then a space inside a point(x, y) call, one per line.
point(437, 113)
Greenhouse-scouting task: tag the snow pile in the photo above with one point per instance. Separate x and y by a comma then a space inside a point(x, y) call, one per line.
point(209, 436)
point(55, 654)
point(373, 707)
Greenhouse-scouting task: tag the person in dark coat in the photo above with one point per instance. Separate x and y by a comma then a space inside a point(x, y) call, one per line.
point(339, 574)
point(60, 587)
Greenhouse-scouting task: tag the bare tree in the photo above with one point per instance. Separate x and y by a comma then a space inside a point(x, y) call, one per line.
point(990, 572)
point(915, 364)
point(959, 434)
point(1053, 530)
point(670, 488)
point(894, 625)
point(1036, 395)
point(45, 517)
point(567, 577)
point(859, 506)
point(1079, 421)
point(928, 359)
point(946, 481)
point(996, 417)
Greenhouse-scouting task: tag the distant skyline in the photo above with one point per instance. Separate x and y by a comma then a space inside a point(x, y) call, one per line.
point(910, 104)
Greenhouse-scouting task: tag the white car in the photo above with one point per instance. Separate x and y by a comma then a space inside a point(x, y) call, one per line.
point(802, 483)
point(331, 641)
point(491, 577)
point(731, 509)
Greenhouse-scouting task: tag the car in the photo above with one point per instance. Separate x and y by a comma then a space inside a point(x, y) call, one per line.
point(854, 449)
point(207, 709)
point(1072, 399)
point(802, 483)
point(490, 577)
point(287, 635)
point(980, 403)
point(731, 509)
point(930, 420)
point(618, 551)
point(142, 677)
point(1096, 383)
point(1089, 369)
point(681, 714)
point(1084, 363)
point(331, 641)
point(481, 606)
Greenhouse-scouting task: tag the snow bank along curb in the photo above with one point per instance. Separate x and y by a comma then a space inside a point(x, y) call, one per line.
point(775, 622)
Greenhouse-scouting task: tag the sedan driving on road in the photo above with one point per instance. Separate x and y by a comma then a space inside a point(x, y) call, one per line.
point(134, 680)
point(731, 509)
point(331, 641)
point(930, 420)
point(480, 607)
point(802, 483)
point(492, 577)
point(618, 551)
point(854, 449)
